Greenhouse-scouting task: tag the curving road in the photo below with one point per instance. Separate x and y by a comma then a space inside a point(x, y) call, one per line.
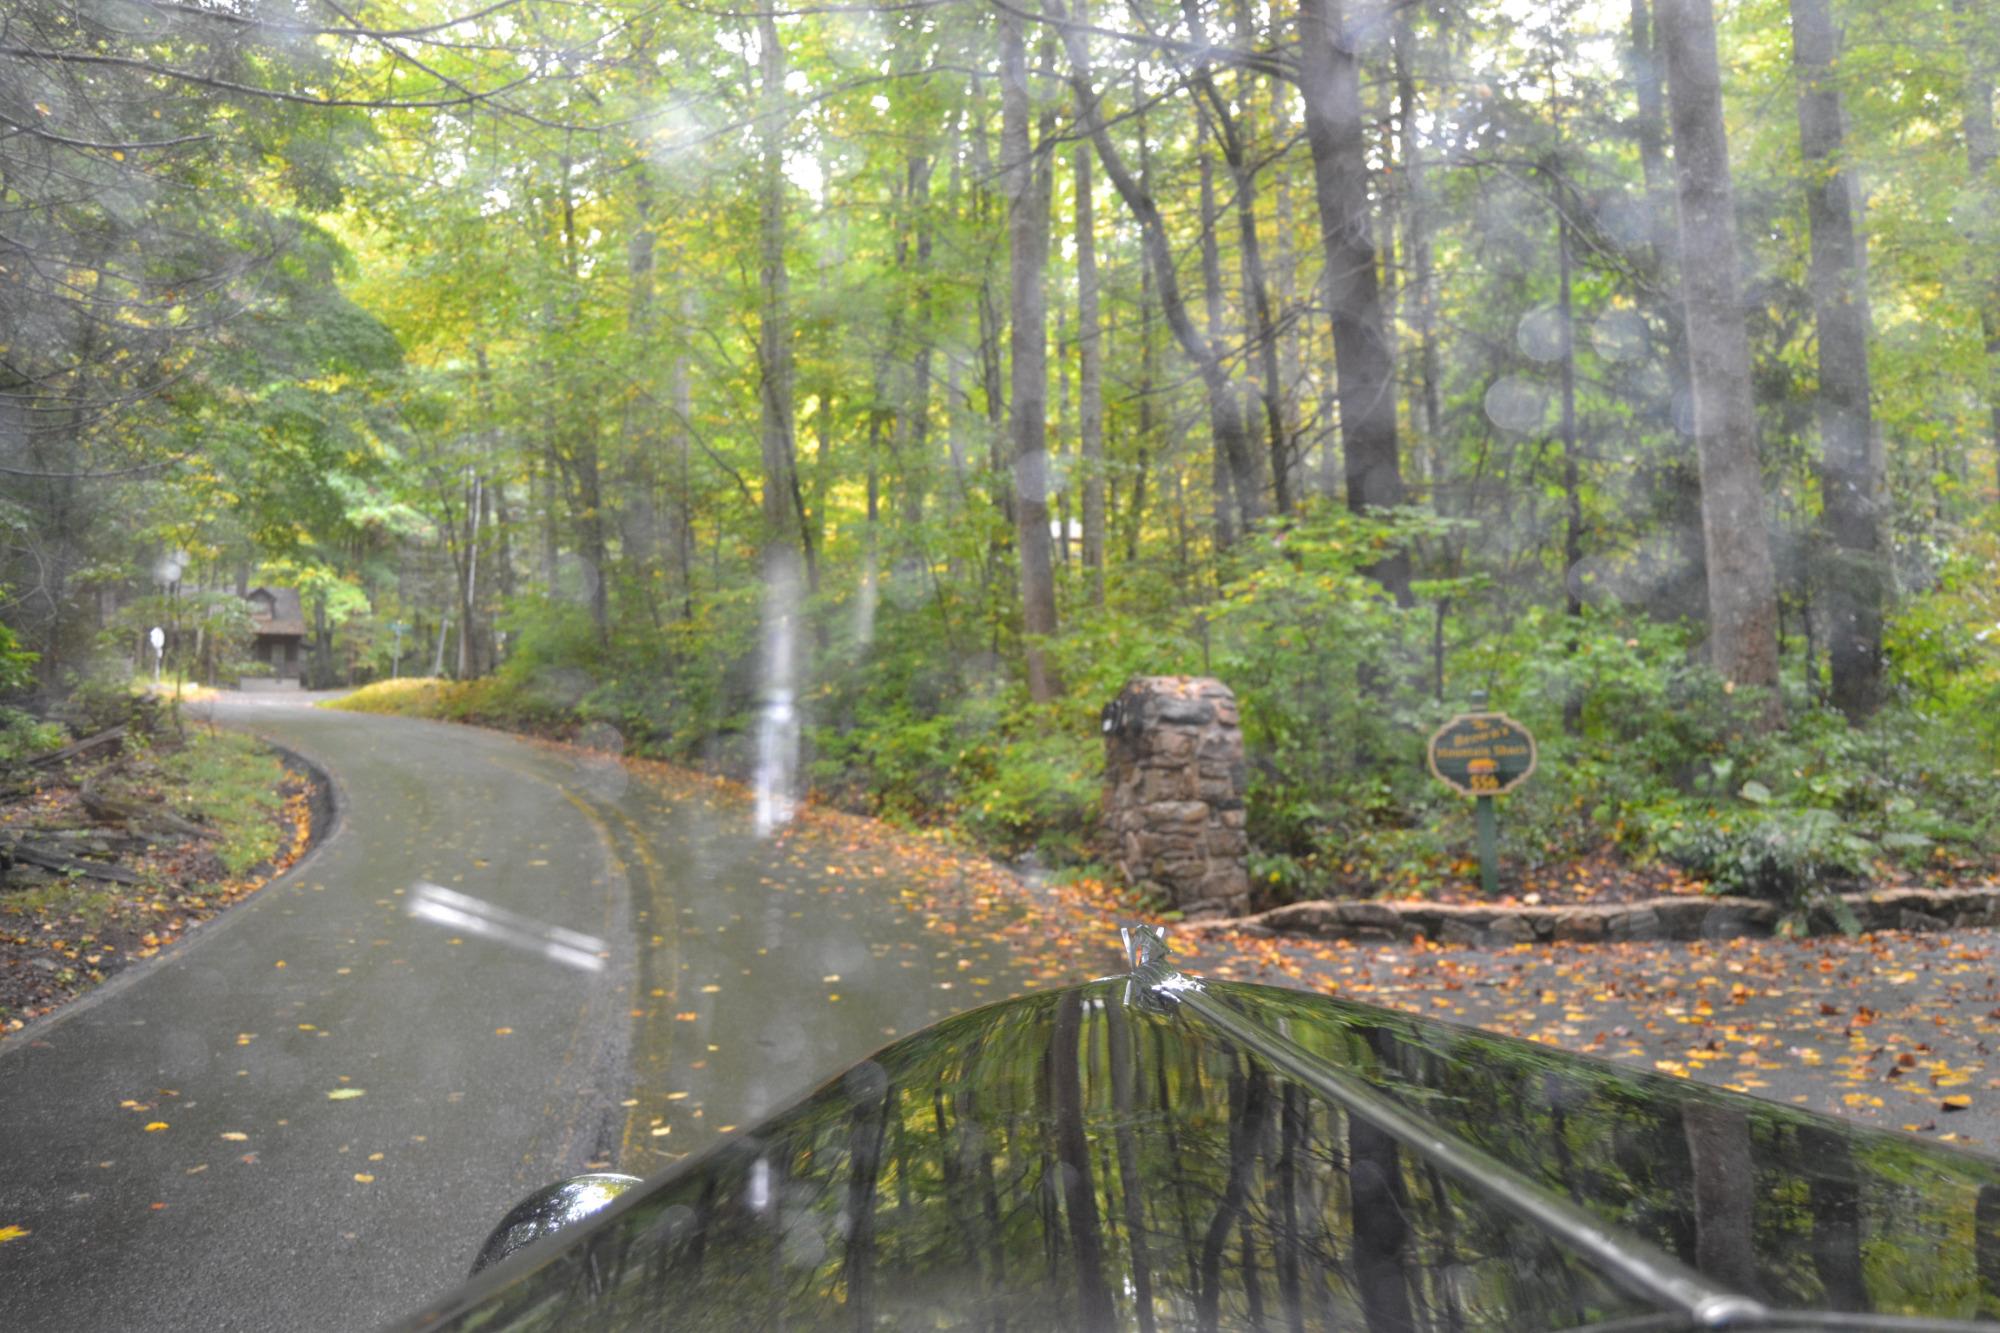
point(509, 962)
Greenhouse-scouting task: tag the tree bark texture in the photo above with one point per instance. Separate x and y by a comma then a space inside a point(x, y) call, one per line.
point(777, 442)
point(1718, 1140)
point(1364, 363)
point(1090, 380)
point(1982, 148)
point(1427, 395)
point(1226, 478)
point(1028, 387)
point(1857, 579)
point(1742, 591)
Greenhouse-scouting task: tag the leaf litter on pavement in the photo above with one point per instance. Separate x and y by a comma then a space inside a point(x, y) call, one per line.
point(1894, 1028)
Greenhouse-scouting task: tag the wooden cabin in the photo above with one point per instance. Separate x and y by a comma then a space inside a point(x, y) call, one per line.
point(278, 621)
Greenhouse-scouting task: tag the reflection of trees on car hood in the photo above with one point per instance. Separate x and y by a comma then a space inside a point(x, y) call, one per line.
point(1229, 1155)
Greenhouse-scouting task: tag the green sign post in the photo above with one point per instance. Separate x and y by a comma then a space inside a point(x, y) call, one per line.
point(1483, 755)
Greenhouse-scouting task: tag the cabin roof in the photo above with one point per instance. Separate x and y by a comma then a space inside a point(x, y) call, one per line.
point(285, 615)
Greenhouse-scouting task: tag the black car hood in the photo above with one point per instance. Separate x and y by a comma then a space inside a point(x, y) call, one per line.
point(1160, 1152)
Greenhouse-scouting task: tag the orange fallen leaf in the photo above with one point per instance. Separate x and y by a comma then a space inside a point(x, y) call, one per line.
point(156, 1126)
point(1961, 1102)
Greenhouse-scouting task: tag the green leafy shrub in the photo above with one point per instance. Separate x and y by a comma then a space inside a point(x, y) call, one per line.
point(1041, 793)
point(24, 736)
point(1798, 859)
point(16, 663)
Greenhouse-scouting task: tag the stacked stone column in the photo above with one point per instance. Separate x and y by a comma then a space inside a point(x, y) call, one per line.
point(1173, 821)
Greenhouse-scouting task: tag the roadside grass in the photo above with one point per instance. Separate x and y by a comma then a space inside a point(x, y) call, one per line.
point(187, 691)
point(414, 696)
point(234, 784)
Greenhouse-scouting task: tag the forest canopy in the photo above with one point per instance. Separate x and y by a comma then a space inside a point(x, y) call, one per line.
point(939, 365)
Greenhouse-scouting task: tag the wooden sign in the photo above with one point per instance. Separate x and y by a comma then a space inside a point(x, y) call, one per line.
point(1482, 754)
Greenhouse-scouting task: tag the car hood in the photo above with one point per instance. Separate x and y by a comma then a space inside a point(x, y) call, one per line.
point(1157, 1151)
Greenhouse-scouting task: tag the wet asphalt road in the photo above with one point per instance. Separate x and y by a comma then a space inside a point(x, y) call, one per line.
point(510, 962)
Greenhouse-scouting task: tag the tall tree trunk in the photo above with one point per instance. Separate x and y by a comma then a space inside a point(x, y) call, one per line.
point(1090, 381)
point(1572, 490)
point(545, 473)
point(1365, 366)
point(1718, 1140)
point(1247, 466)
point(1086, 1239)
point(990, 326)
point(1223, 474)
point(1427, 396)
point(1650, 128)
point(1240, 140)
point(1834, 1203)
point(1286, 278)
point(1742, 592)
point(680, 455)
point(1982, 148)
point(637, 509)
point(1028, 390)
point(913, 413)
point(1680, 482)
point(1062, 420)
point(784, 526)
point(1849, 486)
point(503, 558)
point(1135, 509)
point(1375, 1184)
point(1224, 406)
point(587, 497)
point(468, 584)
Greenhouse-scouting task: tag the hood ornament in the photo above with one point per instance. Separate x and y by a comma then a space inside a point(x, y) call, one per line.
point(1152, 971)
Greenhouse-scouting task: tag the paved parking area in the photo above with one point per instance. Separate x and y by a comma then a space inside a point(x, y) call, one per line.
point(1893, 1029)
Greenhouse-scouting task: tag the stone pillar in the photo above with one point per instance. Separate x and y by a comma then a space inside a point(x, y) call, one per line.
point(1173, 793)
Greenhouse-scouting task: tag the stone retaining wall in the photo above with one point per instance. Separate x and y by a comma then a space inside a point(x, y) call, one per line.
point(1682, 918)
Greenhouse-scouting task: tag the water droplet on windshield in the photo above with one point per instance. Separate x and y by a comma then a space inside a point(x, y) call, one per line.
point(1516, 404)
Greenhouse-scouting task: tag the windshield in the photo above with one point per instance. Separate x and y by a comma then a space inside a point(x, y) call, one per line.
point(570, 570)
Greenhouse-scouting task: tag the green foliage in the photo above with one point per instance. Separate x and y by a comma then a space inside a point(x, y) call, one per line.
point(23, 736)
point(16, 662)
point(1796, 858)
point(98, 703)
point(232, 782)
